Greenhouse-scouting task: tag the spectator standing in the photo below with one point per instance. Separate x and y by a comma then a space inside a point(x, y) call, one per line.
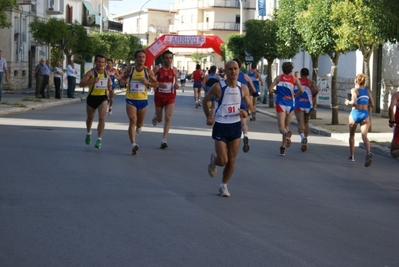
point(71, 73)
point(3, 71)
point(46, 78)
point(39, 78)
point(394, 122)
point(58, 74)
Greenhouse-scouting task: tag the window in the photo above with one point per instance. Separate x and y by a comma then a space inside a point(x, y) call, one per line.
point(24, 27)
point(68, 14)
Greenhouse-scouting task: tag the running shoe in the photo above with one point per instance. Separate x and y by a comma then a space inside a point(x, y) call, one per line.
point(245, 148)
point(212, 168)
point(154, 120)
point(223, 191)
point(288, 139)
point(110, 111)
point(282, 151)
point(369, 158)
point(164, 145)
point(98, 144)
point(88, 139)
point(197, 104)
point(351, 158)
point(134, 149)
point(138, 130)
point(304, 146)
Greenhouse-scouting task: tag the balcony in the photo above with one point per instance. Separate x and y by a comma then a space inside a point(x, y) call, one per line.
point(206, 26)
point(55, 7)
point(115, 26)
point(89, 20)
point(26, 2)
point(206, 4)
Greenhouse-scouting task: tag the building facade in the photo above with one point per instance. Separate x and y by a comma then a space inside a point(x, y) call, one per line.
point(23, 53)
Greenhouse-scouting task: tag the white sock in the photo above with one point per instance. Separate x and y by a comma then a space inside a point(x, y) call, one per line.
point(133, 145)
point(163, 140)
point(99, 138)
point(245, 135)
point(89, 133)
point(223, 185)
point(302, 135)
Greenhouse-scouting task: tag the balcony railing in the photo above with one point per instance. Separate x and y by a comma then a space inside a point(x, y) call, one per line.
point(206, 26)
point(210, 4)
point(26, 2)
point(115, 26)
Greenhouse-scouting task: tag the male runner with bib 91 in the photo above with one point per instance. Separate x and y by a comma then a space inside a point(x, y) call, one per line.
point(226, 122)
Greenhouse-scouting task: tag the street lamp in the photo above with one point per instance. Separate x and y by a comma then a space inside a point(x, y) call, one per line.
point(139, 21)
point(240, 16)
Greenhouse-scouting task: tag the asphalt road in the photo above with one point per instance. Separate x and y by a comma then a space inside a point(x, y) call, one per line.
point(63, 203)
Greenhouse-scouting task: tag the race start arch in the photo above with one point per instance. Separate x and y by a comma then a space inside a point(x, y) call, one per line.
point(188, 41)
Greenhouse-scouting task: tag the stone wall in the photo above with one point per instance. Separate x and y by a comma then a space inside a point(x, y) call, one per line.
point(18, 76)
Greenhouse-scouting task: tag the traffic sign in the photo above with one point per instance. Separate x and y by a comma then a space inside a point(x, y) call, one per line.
point(249, 58)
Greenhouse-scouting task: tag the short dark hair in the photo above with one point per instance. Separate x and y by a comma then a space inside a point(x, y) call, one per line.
point(212, 69)
point(138, 51)
point(238, 62)
point(287, 67)
point(98, 56)
point(108, 59)
point(198, 67)
point(304, 72)
point(167, 52)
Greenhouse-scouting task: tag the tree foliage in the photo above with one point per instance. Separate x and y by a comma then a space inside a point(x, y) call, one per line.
point(235, 47)
point(4, 6)
point(117, 46)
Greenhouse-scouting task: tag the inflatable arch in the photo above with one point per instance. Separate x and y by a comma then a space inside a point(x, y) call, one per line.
point(189, 41)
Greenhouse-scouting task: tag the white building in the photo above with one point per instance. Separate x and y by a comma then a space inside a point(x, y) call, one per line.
point(23, 53)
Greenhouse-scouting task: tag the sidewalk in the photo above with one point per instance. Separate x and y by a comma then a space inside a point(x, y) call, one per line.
point(24, 100)
point(380, 137)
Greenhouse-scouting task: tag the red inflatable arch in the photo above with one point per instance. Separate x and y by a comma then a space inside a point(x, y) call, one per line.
point(172, 40)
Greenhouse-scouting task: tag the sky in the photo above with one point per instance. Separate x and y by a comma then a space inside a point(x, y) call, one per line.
point(124, 6)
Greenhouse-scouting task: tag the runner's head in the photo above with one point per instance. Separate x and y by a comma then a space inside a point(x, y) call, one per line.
point(304, 72)
point(238, 62)
point(254, 65)
point(287, 67)
point(360, 79)
point(110, 63)
point(232, 69)
point(99, 61)
point(167, 58)
point(139, 57)
point(198, 67)
point(212, 70)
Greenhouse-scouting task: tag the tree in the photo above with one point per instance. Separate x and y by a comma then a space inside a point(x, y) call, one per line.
point(266, 45)
point(77, 42)
point(51, 33)
point(314, 30)
point(316, 25)
point(235, 47)
point(4, 6)
point(365, 24)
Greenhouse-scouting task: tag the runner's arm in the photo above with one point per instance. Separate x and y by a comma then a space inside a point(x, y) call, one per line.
point(274, 83)
point(85, 81)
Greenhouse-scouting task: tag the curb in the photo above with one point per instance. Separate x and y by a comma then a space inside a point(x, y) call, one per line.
point(375, 149)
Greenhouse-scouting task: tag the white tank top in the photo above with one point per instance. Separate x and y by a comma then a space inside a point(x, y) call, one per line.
point(227, 109)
